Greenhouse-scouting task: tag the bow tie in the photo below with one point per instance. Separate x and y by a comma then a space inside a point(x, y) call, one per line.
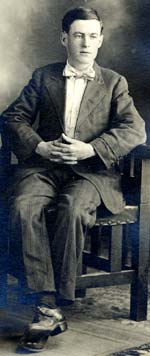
point(72, 72)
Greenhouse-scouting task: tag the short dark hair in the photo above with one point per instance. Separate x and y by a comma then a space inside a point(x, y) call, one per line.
point(79, 13)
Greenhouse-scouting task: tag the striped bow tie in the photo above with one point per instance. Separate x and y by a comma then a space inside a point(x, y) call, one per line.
point(72, 72)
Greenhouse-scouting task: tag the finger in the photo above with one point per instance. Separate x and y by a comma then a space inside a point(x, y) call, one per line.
point(69, 158)
point(57, 160)
point(63, 155)
point(60, 161)
point(60, 144)
point(61, 150)
point(67, 139)
point(56, 149)
point(56, 154)
point(70, 162)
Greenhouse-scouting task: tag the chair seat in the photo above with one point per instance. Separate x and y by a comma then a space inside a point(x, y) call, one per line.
point(127, 216)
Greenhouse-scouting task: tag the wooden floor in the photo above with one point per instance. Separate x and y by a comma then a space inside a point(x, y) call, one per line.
point(97, 326)
point(83, 338)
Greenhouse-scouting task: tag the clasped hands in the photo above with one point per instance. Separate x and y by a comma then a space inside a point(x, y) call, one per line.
point(65, 150)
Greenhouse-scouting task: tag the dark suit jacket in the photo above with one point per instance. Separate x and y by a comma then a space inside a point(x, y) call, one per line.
point(107, 119)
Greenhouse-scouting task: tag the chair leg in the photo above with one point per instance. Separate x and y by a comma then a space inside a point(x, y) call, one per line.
point(95, 234)
point(81, 293)
point(3, 289)
point(82, 269)
point(126, 251)
point(3, 254)
point(115, 250)
point(140, 252)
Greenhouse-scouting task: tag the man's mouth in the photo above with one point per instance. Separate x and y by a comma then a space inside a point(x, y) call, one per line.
point(85, 52)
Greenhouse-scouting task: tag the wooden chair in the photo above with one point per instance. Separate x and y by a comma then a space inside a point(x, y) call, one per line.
point(128, 232)
point(130, 227)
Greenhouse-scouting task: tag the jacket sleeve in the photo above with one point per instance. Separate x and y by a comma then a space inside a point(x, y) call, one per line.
point(20, 116)
point(126, 131)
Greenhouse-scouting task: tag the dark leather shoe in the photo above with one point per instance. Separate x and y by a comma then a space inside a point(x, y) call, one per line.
point(46, 322)
point(50, 321)
point(32, 343)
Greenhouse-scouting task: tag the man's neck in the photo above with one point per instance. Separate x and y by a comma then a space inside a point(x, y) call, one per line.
point(81, 67)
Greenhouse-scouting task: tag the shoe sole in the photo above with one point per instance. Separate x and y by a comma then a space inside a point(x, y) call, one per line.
point(61, 327)
point(30, 348)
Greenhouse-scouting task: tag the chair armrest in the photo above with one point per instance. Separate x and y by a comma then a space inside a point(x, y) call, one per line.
point(142, 151)
point(141, 154)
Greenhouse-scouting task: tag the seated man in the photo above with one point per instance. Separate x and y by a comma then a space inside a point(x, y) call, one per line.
point(87, 122)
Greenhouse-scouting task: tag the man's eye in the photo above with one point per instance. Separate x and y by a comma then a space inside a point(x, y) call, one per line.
point(93, 36)
point(78, 36)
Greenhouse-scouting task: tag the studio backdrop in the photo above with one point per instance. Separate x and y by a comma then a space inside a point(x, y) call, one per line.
point(30, 38)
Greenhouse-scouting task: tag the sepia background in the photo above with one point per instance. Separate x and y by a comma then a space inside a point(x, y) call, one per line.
point(30, 37)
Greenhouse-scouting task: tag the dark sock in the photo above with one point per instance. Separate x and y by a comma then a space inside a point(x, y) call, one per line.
point(48, 299)
point(63, 302)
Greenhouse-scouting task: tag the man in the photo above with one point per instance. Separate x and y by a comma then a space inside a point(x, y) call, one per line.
point(87, 122)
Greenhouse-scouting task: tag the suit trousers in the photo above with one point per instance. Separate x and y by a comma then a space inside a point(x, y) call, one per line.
point(49, 261)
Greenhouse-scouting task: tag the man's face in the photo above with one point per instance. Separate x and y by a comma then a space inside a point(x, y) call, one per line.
point(82, 42)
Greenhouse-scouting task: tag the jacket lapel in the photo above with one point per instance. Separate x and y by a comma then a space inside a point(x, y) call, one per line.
point(56, 89)
point(94, 93)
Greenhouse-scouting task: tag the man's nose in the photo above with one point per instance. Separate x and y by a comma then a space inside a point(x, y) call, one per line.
point(86, 41)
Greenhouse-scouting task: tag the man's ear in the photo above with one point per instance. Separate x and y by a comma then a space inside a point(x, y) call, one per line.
point(64, 39)
point(101, 40)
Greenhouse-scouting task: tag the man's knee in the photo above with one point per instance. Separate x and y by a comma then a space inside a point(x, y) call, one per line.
point(19, 203)
point(74, 207)
point(24, 203)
